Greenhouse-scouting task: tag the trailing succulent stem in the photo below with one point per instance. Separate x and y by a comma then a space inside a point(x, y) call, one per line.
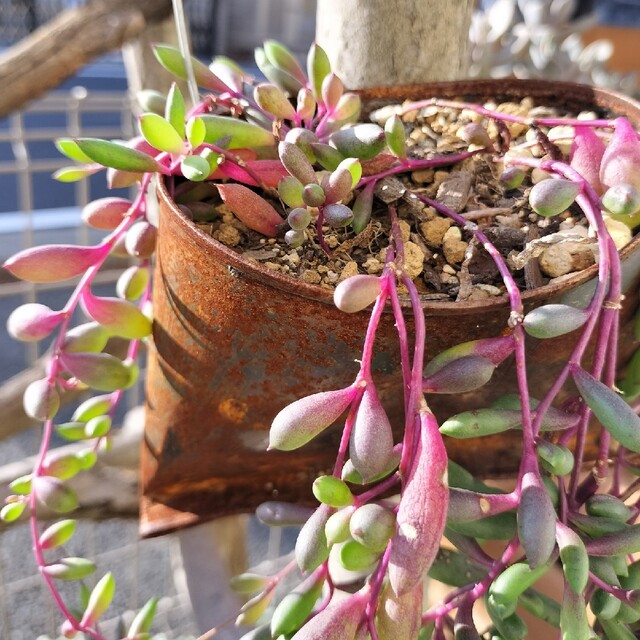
point(291, 160)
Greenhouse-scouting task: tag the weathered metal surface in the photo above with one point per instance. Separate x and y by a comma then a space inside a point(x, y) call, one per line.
point(233, 343)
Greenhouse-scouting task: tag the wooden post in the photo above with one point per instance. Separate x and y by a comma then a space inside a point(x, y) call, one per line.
point(377, 42)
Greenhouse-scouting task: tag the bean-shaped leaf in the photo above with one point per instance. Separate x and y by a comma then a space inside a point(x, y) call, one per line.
point(304, 419)
point(41, 400)
point(339, 183)
point(175, 110)
point(161, 134)
point(573, 554)
point(54, 494)
point(422, 511)
point(195, 168)
point(494, 349)
point(551, 320)
point(143, 619)
point(106, 213)
point(332, 491)
point(296, 162)
point(357, 292)
point(240, 133)
point(615, 415)
point(171, 59)
point(621, 159)
point(586, 156)
point(119, 317)
point(311, 548)
point(395, 136)
point(318, 67)
point(279, 56)
point(480, 422)
point(53, 262)
point(99, 600)
point(536, 521)
point(117, 156)
point(70, 569)
point(511, 583)
point(32, 321)
point(73, 174)
point(274, 101)
point(363, 141)
point(339, 621)
point(371, 442)
point(296, 606)
point(253, 210)
point(100, 371)
point(573, 617)
point(467, 373)
point(399, 618)
point(362, 208)
point(552, 197)
point(57, 534)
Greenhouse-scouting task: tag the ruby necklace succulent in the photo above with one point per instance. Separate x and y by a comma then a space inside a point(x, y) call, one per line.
point(291, 160)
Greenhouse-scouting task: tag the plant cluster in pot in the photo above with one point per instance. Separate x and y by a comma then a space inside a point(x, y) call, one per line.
point(416, 316)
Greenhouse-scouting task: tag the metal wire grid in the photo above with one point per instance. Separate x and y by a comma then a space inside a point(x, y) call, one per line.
point(141, 569)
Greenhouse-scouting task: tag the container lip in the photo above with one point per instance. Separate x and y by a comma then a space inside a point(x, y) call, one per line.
point(602, 98)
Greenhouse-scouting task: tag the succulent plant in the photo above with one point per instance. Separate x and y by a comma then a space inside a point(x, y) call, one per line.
point(290, 159)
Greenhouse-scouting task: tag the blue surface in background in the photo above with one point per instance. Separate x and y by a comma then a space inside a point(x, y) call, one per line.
point(107, 75)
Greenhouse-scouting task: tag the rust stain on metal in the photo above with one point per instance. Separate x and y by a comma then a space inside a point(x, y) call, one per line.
point(233, 343)
point(233, 410)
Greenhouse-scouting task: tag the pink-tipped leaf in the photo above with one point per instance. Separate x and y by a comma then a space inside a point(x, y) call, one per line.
point(304, 419)
point(53, 262)
point(422, 512)
point(371, 443)
point(251, 209)
point(621, 159)
point(586, 156)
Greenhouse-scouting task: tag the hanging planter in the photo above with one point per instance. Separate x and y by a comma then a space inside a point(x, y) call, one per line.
point(235, 342)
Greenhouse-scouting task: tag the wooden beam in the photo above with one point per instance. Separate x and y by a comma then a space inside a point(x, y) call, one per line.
point(58, 49)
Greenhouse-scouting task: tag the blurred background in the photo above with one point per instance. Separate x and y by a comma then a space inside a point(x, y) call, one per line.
point(591, 41)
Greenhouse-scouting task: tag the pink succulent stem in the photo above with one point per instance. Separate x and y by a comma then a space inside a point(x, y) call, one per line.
point(136, 210)
point(473, 592)
point(413, 165)
point(504, 117)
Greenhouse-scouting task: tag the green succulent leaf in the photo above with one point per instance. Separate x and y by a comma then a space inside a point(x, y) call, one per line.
point(240, 134)
point(175, 110)
point(70, 569)
point(100, 599)
point(74, 174)
point(144, 619)
point(196, 131)
point(69, 147)
point(195, 168)
point(394, 135)
point(551, 320)
point(117, 156)
point(12, 511)
point(57, 534)
point(615, 415)
point(171, 59)
point(318, 68)
point(279, 56)
point(161, 134)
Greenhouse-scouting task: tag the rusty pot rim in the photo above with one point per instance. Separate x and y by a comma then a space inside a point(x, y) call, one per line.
point(541, 89)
